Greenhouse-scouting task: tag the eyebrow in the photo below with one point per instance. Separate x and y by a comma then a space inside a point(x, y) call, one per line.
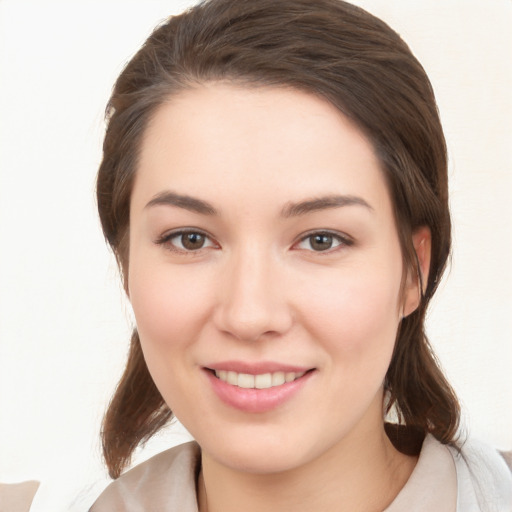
point(323, 203)
point(202, 207)
point(182, 201)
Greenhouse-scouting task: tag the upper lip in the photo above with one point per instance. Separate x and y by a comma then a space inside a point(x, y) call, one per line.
point(256, 368)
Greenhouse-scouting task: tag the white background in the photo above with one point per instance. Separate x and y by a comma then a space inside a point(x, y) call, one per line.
point(64, 325)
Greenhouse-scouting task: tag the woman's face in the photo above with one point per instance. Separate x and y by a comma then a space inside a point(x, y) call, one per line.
point(265, 274)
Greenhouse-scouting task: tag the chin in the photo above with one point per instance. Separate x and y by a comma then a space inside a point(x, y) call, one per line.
point(260, 452)
point(260, 461)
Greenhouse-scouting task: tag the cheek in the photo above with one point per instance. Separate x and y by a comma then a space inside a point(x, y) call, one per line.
point(356, 324)
point(170, 309)
point(169, 306)
point(357, 312)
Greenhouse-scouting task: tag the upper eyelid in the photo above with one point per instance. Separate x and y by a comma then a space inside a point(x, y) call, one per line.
point(167, 235)
point(337, 234)
point(345, 241)
point(165, 241)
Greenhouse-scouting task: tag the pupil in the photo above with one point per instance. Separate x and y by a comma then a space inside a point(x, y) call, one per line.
point(192, 241)
point(321, 242)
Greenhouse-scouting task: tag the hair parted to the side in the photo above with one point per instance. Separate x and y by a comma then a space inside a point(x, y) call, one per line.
point(353, 60)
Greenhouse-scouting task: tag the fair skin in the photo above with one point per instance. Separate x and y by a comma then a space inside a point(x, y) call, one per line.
point(290, 264)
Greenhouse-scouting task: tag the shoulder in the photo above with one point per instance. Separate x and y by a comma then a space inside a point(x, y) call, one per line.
point(17, 497)
point(483, 477)
point(165, 482)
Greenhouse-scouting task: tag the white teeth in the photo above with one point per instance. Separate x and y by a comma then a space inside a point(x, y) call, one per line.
point(278, 379)
point(245, 380)
point(261, 381)
point(289, 376)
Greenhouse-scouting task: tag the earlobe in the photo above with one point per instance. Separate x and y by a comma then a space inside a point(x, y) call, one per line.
point(417, 281)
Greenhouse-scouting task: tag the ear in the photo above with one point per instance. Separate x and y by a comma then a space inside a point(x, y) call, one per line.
point(422, 243)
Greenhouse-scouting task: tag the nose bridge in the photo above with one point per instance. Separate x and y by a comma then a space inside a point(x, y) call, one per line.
point(253, 302)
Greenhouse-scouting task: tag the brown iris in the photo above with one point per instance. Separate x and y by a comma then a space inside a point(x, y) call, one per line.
point(192, 241)
point(321, 242)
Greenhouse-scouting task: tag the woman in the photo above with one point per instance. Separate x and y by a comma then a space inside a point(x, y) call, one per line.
point(274, 188)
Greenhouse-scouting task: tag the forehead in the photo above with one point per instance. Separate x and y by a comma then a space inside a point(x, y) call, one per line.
point(222, 140)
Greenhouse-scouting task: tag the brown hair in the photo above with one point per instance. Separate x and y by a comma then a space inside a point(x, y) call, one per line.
point(340, 53)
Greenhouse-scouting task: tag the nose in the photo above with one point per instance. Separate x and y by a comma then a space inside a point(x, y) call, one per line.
point(253, 298)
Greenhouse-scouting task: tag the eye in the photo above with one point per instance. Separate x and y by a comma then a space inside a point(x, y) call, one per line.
point(323, 241)
point(186, 241)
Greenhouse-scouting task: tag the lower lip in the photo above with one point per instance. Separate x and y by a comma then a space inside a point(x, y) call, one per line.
point(256, 400)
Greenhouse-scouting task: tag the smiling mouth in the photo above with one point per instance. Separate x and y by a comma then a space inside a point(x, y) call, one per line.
point(259, 381)
point(258, 387)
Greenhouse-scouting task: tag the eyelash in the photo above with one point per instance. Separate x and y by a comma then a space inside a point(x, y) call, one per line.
point(343, 241)
point(166, 240)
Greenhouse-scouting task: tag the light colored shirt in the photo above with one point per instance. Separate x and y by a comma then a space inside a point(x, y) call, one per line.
point(17, 497)
point(476, 479)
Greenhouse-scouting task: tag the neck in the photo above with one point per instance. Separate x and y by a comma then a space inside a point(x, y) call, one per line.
point(362, 472)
